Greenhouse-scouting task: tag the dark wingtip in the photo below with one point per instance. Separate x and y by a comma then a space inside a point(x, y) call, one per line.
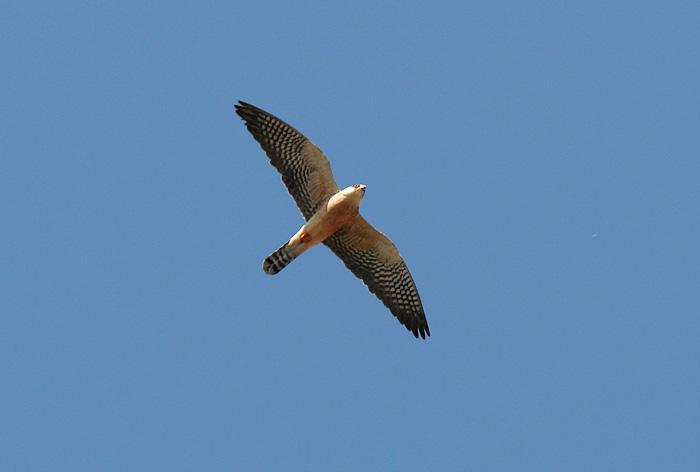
point(241, 107)
point(419, 328)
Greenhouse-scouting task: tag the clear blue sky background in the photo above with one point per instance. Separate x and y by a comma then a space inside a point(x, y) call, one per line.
point(537, 163)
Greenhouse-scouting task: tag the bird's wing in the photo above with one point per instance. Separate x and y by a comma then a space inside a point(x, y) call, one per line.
point(305, 169)
point(372, 257)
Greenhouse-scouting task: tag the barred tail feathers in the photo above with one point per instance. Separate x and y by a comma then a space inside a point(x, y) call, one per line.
point(279, 259)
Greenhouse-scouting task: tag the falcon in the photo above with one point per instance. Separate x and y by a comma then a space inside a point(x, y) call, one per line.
point(332, 218)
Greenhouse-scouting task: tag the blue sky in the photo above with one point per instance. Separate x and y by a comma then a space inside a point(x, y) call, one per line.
point(537, 164)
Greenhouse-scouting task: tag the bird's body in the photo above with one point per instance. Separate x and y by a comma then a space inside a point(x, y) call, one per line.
point(333, 218)
point(335, 212)
point(338, 211)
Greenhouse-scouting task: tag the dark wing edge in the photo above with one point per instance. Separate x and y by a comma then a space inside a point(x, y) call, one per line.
point(390, 281)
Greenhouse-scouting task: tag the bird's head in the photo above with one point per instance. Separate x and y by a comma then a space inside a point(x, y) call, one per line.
point(356, 191)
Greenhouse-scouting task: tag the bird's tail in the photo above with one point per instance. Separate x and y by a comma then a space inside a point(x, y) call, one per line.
point(279, 259)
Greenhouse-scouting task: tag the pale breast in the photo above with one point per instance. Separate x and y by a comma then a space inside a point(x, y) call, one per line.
point(337, 212)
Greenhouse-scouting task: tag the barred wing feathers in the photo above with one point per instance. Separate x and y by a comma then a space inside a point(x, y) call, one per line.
point(372, 257)
point(305, 170)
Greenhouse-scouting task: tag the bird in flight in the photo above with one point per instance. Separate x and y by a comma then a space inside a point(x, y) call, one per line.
point(332, 218)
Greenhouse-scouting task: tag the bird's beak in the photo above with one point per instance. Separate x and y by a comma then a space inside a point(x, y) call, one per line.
point(363, 187)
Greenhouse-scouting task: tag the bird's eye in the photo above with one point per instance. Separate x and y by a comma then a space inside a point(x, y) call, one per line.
point(356, 185)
